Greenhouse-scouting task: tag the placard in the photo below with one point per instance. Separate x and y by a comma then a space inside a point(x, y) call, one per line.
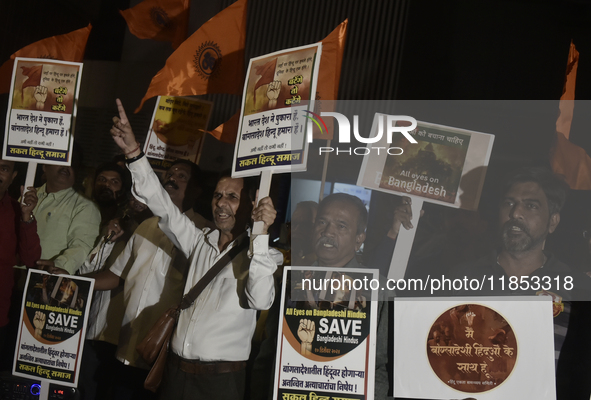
point(52, 327)
point(447, 166)
point(327, 335)
point(178, 128)
point(279, 90)
point(41, 111)
point(485, 348)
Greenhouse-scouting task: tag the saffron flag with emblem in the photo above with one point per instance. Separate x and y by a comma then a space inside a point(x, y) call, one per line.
point(163, 20)
point(67, 47)
point(567, 158)
point(211, 60)
point(329, 75)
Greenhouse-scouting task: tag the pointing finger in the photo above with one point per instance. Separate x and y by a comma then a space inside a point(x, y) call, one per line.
point(122, 114)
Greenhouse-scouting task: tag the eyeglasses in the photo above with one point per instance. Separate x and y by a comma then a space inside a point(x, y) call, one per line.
point(587, 234)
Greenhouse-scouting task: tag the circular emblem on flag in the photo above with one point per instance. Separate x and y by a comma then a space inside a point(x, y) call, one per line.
point(160, 18)
point(208, 59)
point(472, 348)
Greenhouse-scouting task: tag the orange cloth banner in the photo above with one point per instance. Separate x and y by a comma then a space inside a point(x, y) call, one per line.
point(329, 75)
point(163, 20)
point(567, 158)
point(67, 47)
point(227, 131)
point(210, 61)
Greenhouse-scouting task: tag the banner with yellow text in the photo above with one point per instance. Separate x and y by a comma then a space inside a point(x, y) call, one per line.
point(178, 128)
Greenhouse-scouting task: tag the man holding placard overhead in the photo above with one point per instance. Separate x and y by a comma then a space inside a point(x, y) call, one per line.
point(212, 338)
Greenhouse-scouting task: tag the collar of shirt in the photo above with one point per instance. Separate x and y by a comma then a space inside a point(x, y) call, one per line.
point(213, 236)
point(42, 193)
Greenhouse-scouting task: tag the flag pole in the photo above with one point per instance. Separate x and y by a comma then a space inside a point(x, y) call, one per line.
point(30, 178)
point(324, 169)
point(404, 243)
point(44, 390)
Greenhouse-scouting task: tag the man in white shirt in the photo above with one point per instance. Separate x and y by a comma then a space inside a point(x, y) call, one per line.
point(154, 273)
point(212, 338)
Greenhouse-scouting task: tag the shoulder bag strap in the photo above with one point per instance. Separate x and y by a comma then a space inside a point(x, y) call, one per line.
point(196, 290)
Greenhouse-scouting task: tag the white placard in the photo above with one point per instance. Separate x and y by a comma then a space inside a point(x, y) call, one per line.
point(532, 357)
point(41, 111)
point(280, 87)
point(327, 338)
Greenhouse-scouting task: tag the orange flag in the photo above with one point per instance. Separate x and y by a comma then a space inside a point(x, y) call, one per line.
point(210, 61)
point(67, 47)
point(567, 158)
point(327, 88)
point(227, 131)
point(329, 74)
point(33, 75)
point(567, 104)
point(164, 20)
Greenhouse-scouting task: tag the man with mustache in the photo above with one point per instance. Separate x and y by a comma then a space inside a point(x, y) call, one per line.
point(211, 342)
point(530, 206)
point(111, 187)
point(67, 222)
point(152, 271)
point(110, 192)
point(339, 232)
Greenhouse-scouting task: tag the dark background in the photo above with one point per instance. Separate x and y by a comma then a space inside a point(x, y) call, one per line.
point(396, 50)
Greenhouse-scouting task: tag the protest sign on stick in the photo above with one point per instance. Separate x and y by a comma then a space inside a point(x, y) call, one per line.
point(273, 128)
point(52, 328)
point(41, 113)
point(177, 130)
point(327, 335)
point(446, 166)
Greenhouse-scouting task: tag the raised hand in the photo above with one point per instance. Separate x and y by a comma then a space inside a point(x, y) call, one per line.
point(123, 134)
point(306, 332)
point(40, 96)
point(39, 322)
point(273, 90)
point(402, 216)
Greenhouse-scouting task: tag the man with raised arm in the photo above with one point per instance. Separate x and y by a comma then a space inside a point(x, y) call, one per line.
point(212, 338)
